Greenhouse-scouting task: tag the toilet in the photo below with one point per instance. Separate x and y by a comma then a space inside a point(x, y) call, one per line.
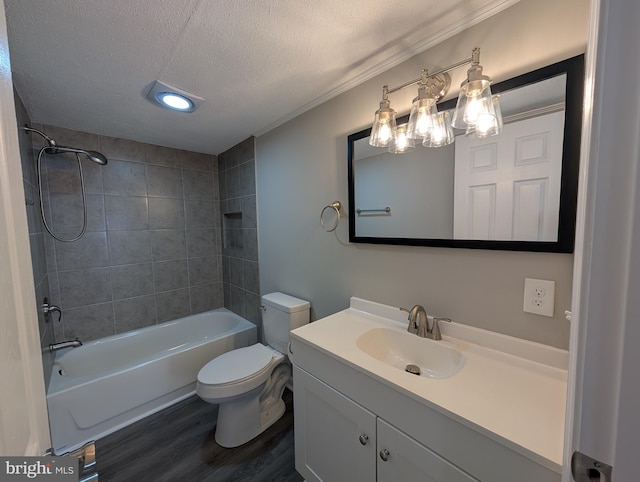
point(248, 382)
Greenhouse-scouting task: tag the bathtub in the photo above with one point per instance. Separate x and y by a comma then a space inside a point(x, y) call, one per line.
point(110, 383)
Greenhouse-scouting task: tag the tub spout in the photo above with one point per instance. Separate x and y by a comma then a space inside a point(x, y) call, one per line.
point(65, 344)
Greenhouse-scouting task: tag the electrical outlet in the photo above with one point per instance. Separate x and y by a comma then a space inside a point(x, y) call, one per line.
point(539, 296)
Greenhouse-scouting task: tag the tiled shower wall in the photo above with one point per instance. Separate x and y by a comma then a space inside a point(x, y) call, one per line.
point(152, 250)
point(236, 169)
point(36, 235)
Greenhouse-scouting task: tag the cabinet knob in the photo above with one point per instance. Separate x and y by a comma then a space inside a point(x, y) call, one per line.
point(364, 438)
point(384, 454)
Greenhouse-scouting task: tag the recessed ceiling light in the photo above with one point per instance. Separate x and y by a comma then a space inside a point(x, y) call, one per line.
point(174, 101)
point(173, 98)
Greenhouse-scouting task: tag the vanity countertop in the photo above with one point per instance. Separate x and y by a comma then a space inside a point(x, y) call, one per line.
point(510, 389)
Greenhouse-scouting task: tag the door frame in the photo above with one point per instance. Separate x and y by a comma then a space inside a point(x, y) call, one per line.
point(23, 418)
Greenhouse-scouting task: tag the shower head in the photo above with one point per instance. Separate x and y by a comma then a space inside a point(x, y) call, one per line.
point(92, 155)
point(54, 148)
point(97, 157)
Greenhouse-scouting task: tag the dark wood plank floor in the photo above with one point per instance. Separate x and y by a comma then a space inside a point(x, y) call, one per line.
point(177, 444)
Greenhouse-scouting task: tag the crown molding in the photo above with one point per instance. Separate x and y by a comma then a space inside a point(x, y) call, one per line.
point(462, 24)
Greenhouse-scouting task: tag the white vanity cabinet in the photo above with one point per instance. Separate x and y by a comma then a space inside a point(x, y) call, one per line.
point(500, 418)
point(338, 440)
point(335, 437)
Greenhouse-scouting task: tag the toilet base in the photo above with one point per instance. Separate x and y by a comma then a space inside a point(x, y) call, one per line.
point(243, 419)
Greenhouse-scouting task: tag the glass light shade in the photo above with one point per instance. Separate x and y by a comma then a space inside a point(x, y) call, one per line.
point(473, 101)
point(383, 130)
point(421, 118)
point(442, 132)
point(402, 142)
point(488, 123)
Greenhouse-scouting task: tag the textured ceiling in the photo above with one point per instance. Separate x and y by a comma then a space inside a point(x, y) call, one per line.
point(87, 64)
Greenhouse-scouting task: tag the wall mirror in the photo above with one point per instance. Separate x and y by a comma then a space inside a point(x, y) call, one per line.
point(515, 191)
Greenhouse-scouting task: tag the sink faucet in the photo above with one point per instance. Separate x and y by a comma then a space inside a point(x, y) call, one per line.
point(65, 344)
point(419, 323)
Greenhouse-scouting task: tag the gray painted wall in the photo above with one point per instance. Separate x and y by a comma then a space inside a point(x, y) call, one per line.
point(301, 167)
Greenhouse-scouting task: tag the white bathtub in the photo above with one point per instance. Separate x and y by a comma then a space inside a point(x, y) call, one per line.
point(107, 384)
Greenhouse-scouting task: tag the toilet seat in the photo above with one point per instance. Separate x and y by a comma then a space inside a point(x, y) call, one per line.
point(238, 371)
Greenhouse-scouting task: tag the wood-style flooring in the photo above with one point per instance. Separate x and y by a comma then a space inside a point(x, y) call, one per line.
point(177, 444)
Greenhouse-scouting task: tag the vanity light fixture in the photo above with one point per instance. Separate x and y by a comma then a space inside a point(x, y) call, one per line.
point(477, 111)
point(173, 98)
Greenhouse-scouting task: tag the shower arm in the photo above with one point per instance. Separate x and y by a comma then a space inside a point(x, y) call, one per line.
point(51, 142)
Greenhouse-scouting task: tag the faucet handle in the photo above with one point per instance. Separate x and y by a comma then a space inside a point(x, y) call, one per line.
point(413, 325)
point(47, 309)
point(435, 331)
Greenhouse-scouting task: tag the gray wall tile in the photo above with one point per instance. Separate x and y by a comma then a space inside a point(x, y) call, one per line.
point(246, 150)
point(170, 275)
point(134, 313)
point(222, 184)
point(132, 280)
point(38, 261)
point(67, 212)
point(250, 244)
point(122, 149)
point(206, 297)
point(92, 173)
point(251, 276)
point(166, 213)
point(198, 185)
point(234, 182)
point(203, 271)
point(162, 156)
point(229, 158)
point(236, 272)
point(90, 251)
point(125, 178)
point(172, 305)
point(68, 137)
point(126, 213)
point(89, 322)
point(84, 287)
point(50, 253)
point(237, 300)
point(164, 182)
point(249, 212)
point(62, 172)
point(200, 214)
point(129, 247)
point(141, 234)
point(247, 178)
point(201, 243)
point(167, 244)
point(252, 310)
point(239, 262)
point(197, 161)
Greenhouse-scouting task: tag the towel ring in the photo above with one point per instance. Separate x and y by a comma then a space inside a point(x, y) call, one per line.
point(336, 206)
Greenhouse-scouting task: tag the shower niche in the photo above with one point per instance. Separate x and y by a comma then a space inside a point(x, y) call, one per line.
point(232, 229)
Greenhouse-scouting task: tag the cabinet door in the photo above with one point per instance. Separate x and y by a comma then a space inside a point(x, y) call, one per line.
point(410, 461)
point(335, 437)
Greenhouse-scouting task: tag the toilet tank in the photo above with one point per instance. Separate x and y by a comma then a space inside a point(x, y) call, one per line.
point(281, 314)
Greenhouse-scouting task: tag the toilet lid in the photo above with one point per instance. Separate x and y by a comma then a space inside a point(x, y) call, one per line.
point(236, 364)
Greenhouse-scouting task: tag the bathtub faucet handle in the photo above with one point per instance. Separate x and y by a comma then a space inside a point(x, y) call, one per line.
point(47, 309)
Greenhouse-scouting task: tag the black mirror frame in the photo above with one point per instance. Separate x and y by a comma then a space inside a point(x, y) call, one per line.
point(574, 69)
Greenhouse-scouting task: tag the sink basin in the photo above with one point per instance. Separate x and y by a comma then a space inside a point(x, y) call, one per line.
point(400, 349)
